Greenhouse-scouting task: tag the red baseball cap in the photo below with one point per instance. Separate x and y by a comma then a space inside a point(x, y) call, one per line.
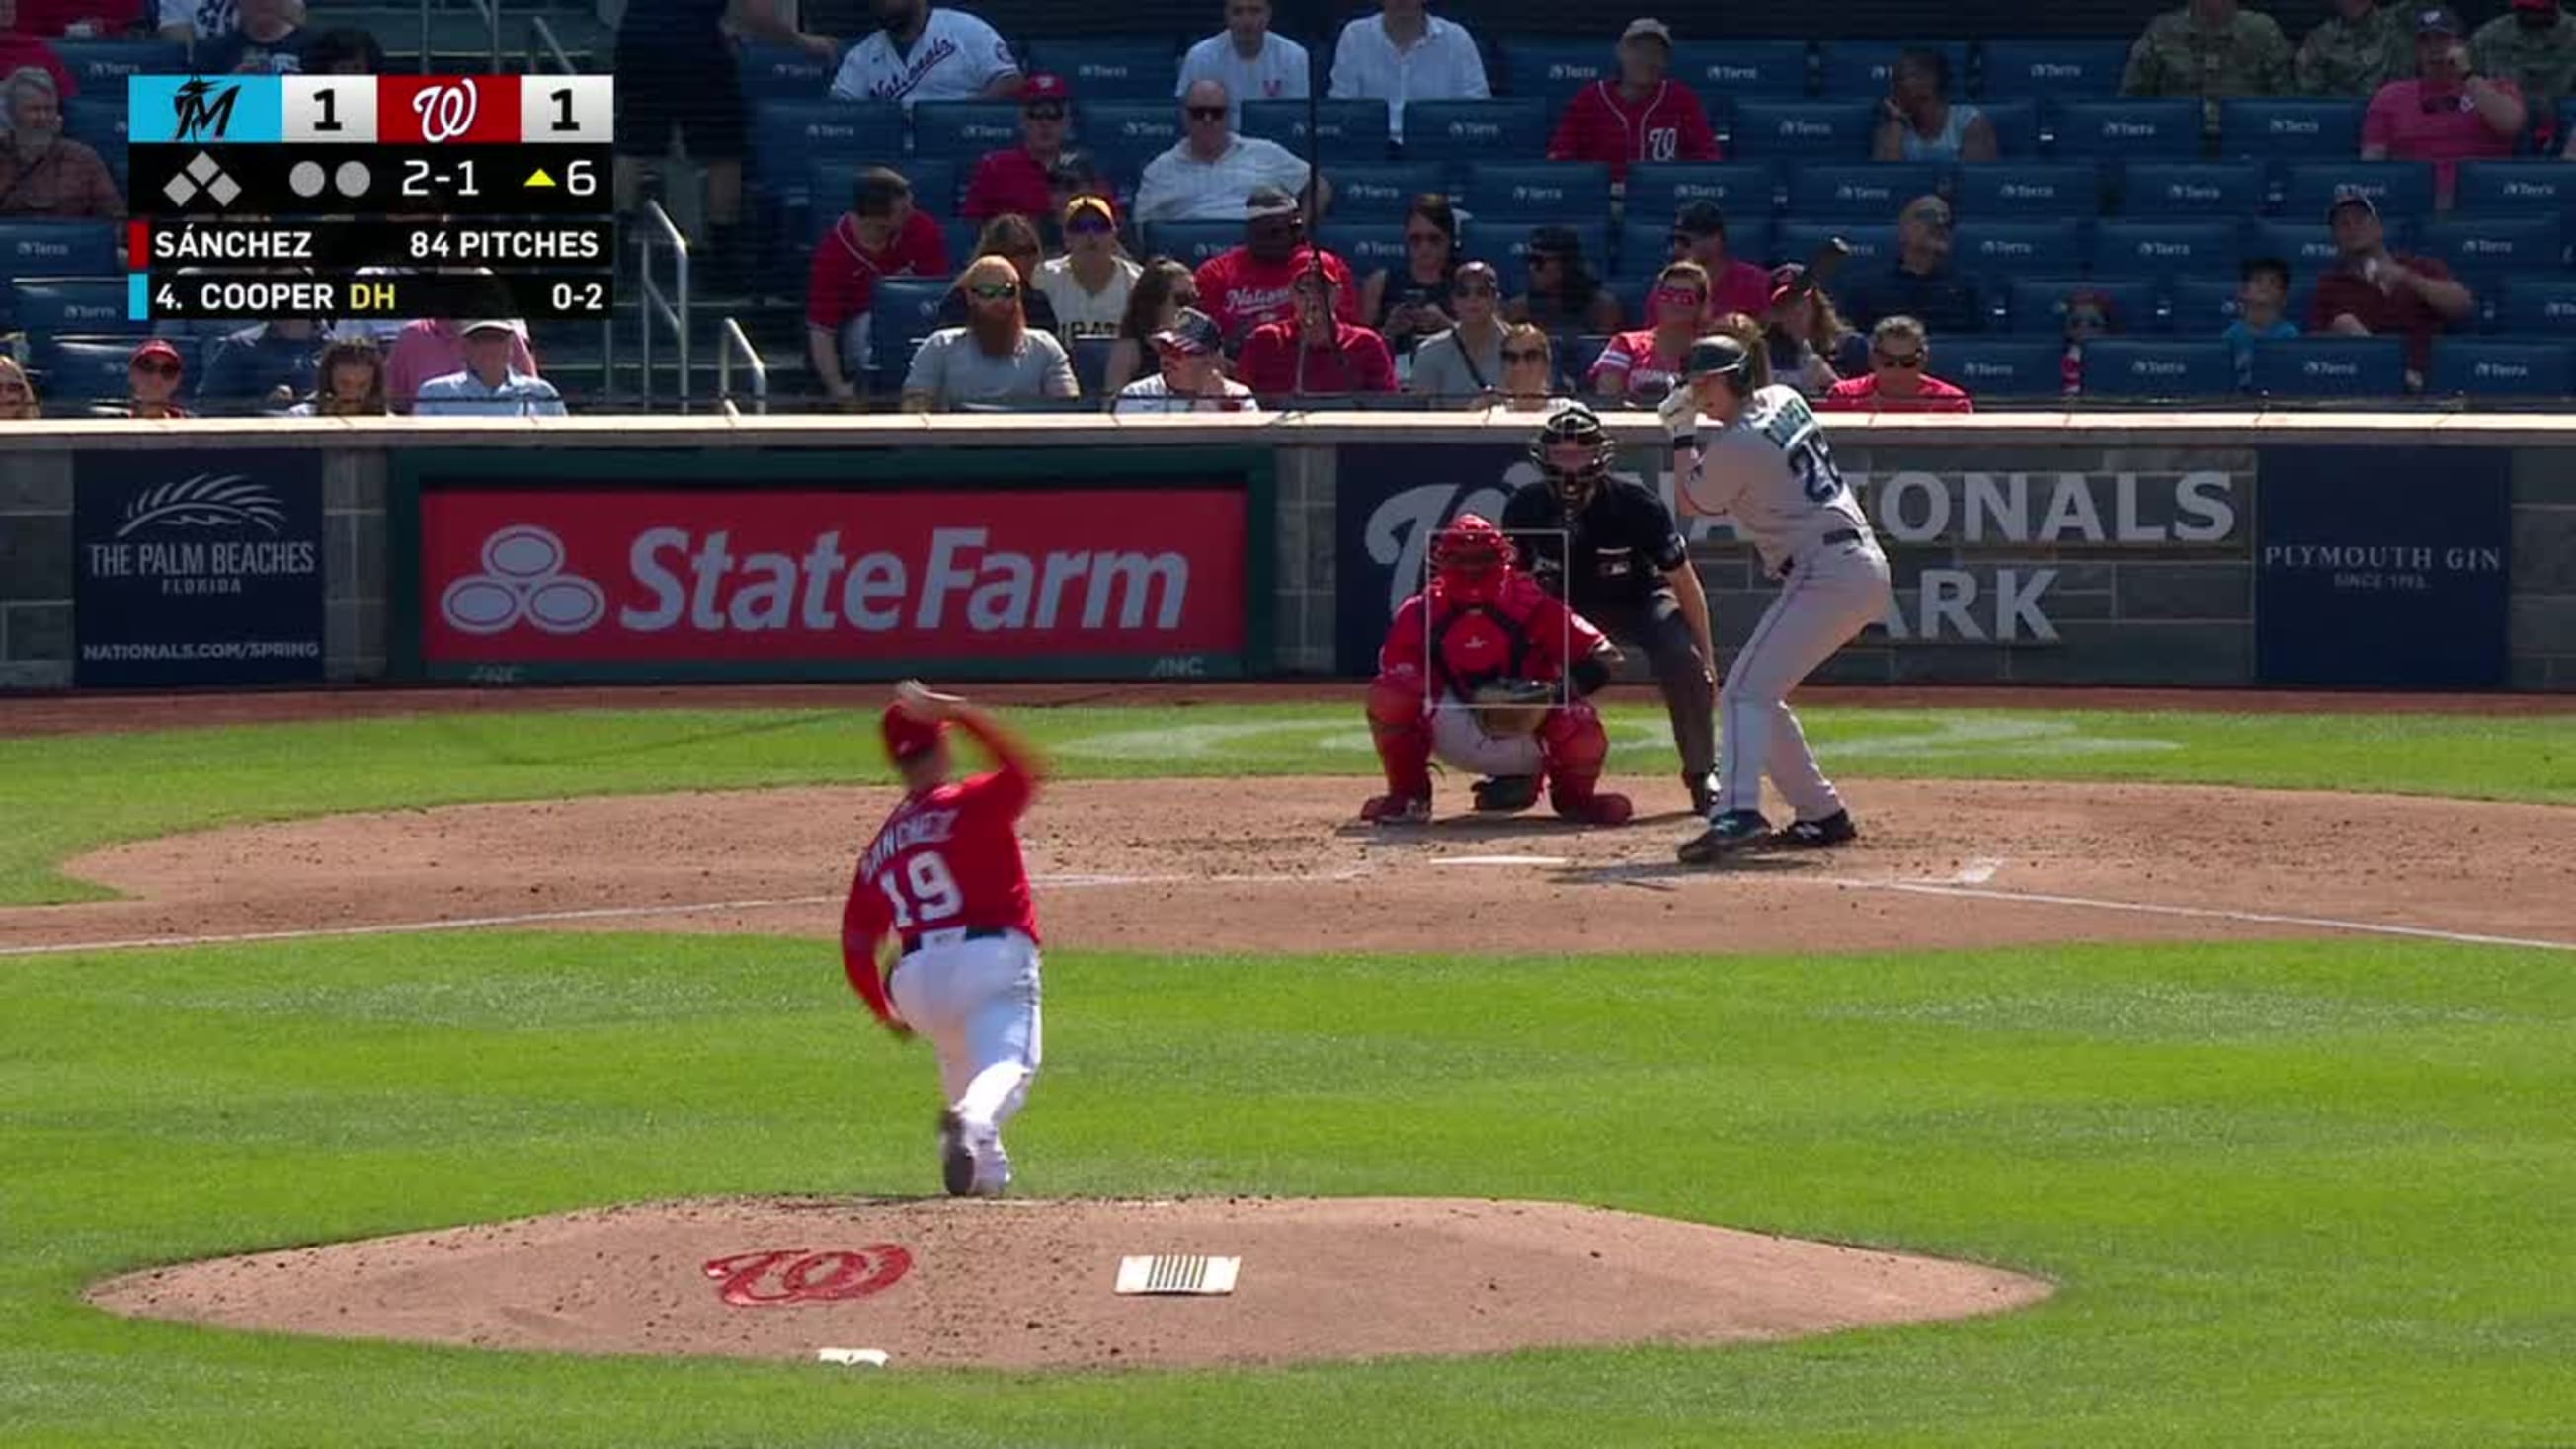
point(1045, 86)
point(160, 348)
point(906, 737)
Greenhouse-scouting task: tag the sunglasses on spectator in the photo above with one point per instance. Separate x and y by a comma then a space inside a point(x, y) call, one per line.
point(1207, 113)
point(993, 291)
point(1088, 226)
point(1044, 113)
point(1680, 297)
point(1530, 354)
point(158, 368)
point(11, 387)
point(1898, 359)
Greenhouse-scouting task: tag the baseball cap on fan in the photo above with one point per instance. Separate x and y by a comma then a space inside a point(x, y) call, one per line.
point(1266, 201)
point(1044, 88)
point(2439, 20)
point(2350, 196)
point(1192, 331)
point(1649, 27)
point(908, 738)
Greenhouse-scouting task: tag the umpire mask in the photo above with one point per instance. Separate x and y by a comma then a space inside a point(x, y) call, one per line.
point(1573, 450)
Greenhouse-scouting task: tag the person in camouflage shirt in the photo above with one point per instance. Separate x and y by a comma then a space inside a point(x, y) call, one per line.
point(2212, 49)
point(2354, 51)
point(2534, 46)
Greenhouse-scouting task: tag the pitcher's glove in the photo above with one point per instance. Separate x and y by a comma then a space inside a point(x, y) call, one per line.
point(1510, 708)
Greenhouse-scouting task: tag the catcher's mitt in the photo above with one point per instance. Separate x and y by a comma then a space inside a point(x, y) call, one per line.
point(1509, 708)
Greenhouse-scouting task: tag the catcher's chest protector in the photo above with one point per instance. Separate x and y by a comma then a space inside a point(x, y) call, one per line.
point(1476, 644)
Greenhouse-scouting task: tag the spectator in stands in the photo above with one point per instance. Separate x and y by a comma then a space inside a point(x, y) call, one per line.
point(268, 38)
point(1089, 286)
point(2210, 49)
point(1404, 53)
point(344, 51)
point(1638, 368)
point(1465, 363)
point(2262, 299)
point(1315, 351)
point(23, 48)
point(996, 358)
point(1163, 290)
point(42, 171)
point(2087, 313)
point(1016, 180)
point(1193, 380)
point(17, 394)
point(1641, 116)
point(152, 380)
point(1073, 174)
point(1921, 284)
point(1803, 333)
point(927, 53)
point(264, 367)
point(2534, 46)
point(194, 22)
point(1898, 380)
point(2448, 113)
point(1529, 371)
point(1736, 285)
point(435, 347)
point(491, 384)
point(879, 236)
point(2373, 292)
point(1408, 308)
point(77, 19)
point(677, 70)
point(1919, 122)
point(352, 382)
point(2360, 46)
point(1249, 286)
point(1208, 174)
point(1015, 238)
point(1247, 60)
point(1563, 295)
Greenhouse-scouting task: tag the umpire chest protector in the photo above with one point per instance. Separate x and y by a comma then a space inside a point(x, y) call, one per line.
point(1609, 555)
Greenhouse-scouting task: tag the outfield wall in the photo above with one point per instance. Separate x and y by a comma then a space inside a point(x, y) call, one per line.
point(2218, 549)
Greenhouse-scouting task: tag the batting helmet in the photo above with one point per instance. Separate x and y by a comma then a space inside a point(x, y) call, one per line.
point(1718, 355)
point(1574, 451)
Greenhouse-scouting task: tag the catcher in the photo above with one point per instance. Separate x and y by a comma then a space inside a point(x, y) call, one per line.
point(1489, 672)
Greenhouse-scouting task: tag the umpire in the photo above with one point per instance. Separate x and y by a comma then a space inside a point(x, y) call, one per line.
point(1605, 544)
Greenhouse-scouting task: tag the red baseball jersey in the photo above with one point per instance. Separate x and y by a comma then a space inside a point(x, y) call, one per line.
point(1600, 124)
point(1241, 293)
point(1455, 642)
point(947, 859)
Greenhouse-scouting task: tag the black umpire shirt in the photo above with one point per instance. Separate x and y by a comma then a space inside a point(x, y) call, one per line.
point(1617, 549)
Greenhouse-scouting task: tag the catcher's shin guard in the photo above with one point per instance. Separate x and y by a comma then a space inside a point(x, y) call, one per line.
point(1403, 737)
point(1575, 747)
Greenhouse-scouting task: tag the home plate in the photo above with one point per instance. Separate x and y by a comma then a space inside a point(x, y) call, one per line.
point(1502, 860)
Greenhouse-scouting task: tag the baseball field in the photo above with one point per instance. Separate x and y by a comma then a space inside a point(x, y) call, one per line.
point(2216, 1056)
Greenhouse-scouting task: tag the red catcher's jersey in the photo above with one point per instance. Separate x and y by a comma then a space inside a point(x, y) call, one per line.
point(946, 859)
point(1454, 644)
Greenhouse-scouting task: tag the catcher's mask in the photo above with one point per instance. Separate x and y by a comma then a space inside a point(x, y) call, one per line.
point(1574, 451)
point(1471, 552)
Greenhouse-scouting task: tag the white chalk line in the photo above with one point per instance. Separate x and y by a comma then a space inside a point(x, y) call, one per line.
point(2214, 913)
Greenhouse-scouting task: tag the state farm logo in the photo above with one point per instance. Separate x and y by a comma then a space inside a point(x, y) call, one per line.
point(523, 578)
point(447, 112)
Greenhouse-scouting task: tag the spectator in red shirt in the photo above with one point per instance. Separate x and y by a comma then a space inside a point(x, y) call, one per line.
point(77, 18)
point(2372, 292)
point(2445, 115)
point(1248, 286)
point(1899, 354)
point(20, 49)
point(1641, 116)
point(1637, 368)
point(1016, 182)
point(879, 236)
point(1315, 351)
point(1735, 285)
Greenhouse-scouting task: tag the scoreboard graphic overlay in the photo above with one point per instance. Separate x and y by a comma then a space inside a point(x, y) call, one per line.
point(337, 197)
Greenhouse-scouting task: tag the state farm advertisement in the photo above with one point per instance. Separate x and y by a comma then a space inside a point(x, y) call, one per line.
point(805, 583)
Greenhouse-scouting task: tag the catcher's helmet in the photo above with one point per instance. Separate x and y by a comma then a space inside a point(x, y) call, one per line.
point(1574, 451)
point(1718, 355)
point(1471, 549)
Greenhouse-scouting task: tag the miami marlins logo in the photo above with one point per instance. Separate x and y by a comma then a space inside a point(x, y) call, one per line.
point(196, 117)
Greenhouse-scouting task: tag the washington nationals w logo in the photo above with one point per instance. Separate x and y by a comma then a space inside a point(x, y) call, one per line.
point(447, 112)
point(798, 1275)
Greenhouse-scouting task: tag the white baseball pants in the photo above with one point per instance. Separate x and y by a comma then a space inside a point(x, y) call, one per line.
point(976, 1001)
point(1459, 742)
point(1829, 596)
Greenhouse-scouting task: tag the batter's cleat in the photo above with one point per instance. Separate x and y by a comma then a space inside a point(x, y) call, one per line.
point(956, 1158)
point(1835, 829)
point(1703, 794)
point(1600, 809)
point(1397, 810)
point(1506, 795)
point(1732, 831)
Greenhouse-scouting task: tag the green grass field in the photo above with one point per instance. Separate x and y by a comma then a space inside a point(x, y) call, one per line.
point(2294, 1193)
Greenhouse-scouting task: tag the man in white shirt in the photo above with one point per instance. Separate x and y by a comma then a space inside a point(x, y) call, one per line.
point(489, 386)
point(1207, 176)
point(1089, 285)
point(195, 21)
point(1406, 54)
point(927, 53)
point(1192, 380)
point(1249, 61)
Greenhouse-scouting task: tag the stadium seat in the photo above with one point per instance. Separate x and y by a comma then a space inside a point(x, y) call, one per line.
point(964, 130)
point(2539, 303)
point(1090, 362)
point(1457, 132)
point(785, 133)
point(1505, 243)
point(782, 73)
point(1741, 188)
point(2145, 368)
point(961, 236)
point(1383, 192)
point(73, 305)
point(1861, 67)
point(1574, 190)
point(1351, 129)
point(2494, 367)
point(102, 128)
point(1990, 251)
point(2273, 129)
point(2052, 68)
point(2162, 190)
point(2203, 306)
point(905, 311)
point(2029, 191)
point(2038, 305)
point(2152, 130)
point(2488, 187)
point(2397, 188)
point(1802, 130)
point(1998, 368)
point(98, 68)
point(1741, 68)
point(2308, 246)
point(58, 248)
point(1552, 68)
point(2330, 367)
point(1112, 67)
point(2016, 126)
point(1192, 241)
point(2166, 248)
point(1874, 190)
point(1367, 246)
point(1872, 247)
point(1133, 131)
point(79, 372)
point(2476, 248)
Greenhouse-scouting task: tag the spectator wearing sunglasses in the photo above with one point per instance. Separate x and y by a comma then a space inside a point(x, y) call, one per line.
point(152, 377)
point(1192, 380)
point(17, 394)
point(1644, 115)
point(1089, 285)
point(1638, 368)
point(2447, 114)
point(1529, 372)
point(1249, 286)
point(1016, 238)
point(1920, 283)
point(1464, 365)
point(1563, 295)
point(996, 359)
point(1015, 181)
point(1209, 173)
point(1898, 380)
point(1734, 285)
point(1315, 352)
point(1408, 307)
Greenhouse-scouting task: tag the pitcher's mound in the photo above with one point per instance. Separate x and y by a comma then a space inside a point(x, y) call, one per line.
point(1034, 1284)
